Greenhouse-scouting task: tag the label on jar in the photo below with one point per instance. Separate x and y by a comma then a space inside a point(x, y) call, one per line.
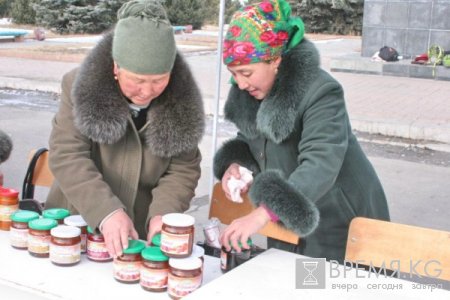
point(182, 286)
point(175, 243)
point(39, 244)
point(97, 251)
point(154, 278)
point(18, 237)
point(6, 211)
point(65, 254)
point(127, 270)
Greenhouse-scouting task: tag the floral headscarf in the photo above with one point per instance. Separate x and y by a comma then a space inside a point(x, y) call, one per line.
point(261, 32)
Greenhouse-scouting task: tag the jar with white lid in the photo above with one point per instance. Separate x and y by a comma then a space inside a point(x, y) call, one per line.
point(177, 235)
point(185, 276)
point(65, 245)
point(78, 221)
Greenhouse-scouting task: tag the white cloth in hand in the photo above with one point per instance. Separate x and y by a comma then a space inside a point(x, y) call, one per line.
point(235, 186)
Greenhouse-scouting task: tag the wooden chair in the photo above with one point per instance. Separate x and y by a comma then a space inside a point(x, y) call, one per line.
point(227, 211)
point(42, 176)
point(380, 242)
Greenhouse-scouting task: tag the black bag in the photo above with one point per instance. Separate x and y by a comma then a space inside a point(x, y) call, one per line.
point(28, 202)
point(388, 54)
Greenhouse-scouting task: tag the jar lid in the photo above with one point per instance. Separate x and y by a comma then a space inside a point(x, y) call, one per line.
point(156, 240)
point(134, 247)
point(42, 224)
point(55, 213)
point(154, 254)
point(11, 193)
point(197, 251)
point(24, 216)
point(178, 220)
point(65, 231)
point(188, 263)
point(90, 230)
point(75, 220)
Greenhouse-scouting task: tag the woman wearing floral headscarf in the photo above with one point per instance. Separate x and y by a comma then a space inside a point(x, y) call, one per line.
point(311, 175)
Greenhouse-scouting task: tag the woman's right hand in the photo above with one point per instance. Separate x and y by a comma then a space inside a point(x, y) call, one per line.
point(116, 230)
point(233, 170)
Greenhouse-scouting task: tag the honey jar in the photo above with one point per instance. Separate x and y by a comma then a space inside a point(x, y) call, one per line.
point(65, 245)
point(185, 276)
point(127, 267)
point(57, 214)
point(177, 235)
point(9, 203)
point(18, 235)
point(39, 236)
point(155, 270)
point(96, 247)
point(78, 221)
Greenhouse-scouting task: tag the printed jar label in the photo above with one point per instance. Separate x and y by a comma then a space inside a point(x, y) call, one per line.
point(182, 286)
point(39, 244)
point(97, 251)
point(154, 278)
point(18, 237)
point(65, 254)
point(6, 211)
point(127, 271)
point(175, 243)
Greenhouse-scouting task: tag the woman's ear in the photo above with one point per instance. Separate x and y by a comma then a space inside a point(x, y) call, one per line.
point(276, 62)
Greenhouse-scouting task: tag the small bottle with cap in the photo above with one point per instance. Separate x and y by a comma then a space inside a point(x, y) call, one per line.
point(78, 221)
point(96, 247)
point(155, 270)
point(39, 236)
point(127, 267)
point(65, 245)
point(177, 235)
point(18, 235)
point(57, 214)
point(231, 259)
point(9, 203)
point(185, 276)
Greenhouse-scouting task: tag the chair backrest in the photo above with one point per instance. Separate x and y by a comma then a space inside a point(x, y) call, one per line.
point(227, 211)
point(383, 243)
point(42, 176)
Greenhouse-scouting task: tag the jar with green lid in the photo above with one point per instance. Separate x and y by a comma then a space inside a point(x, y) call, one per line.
point(78, 221)
point(96, 247)
point(185, 276)
point(57, 214)
point(18, 235)
point(9, 203)
point(156, 240)
point(39, 236)
point(231, 259)
point(65, 245)
point(155, 270)
point(127, 267)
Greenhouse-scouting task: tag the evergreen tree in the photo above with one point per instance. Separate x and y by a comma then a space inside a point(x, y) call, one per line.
point(22, 12)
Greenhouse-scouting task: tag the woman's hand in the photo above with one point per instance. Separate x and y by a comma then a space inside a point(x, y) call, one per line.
point(241, 229)
point(233, 170)
point(116, 230)
point(154, 226)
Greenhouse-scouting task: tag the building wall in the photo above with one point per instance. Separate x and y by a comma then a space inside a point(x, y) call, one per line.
point(410, 26)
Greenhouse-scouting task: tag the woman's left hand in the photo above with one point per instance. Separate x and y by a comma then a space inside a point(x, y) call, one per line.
point(154, 226)
point(241, 229)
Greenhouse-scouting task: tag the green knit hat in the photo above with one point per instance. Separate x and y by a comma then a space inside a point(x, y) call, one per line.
point(261, 32)
point(144, 42)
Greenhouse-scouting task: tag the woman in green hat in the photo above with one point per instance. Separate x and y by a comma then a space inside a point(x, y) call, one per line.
point(124, 144)
point(311, 175)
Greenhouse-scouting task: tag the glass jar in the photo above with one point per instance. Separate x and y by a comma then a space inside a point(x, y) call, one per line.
point(185, 276)
point(177, 235)
point(96, 247)
point(127, 267)
point(57, 214)
point(18, 235)
point(65, 245)
point(39, 236)
point(9, 203)
point(155, 270)
point(78, 221)
point(231, 259)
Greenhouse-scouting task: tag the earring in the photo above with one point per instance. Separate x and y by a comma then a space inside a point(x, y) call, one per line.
point(276, 71)
point(115, 77)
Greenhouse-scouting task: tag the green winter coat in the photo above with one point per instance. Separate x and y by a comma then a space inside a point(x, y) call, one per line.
point(102, 163)
point(309, 167)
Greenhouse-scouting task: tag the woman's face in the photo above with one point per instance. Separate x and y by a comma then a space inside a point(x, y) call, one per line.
point(141, 89)
point(257, 78)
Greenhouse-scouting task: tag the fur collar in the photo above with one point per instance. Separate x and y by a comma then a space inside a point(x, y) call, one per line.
point(176, 117)
point(275, 117)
